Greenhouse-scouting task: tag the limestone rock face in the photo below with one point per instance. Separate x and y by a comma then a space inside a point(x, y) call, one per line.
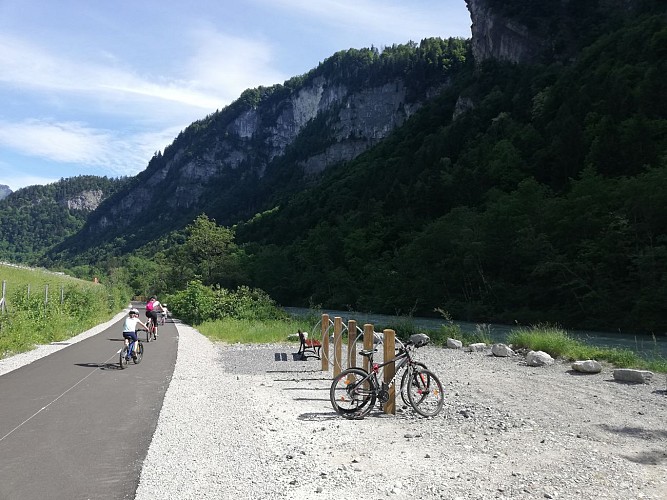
point(495, 36)
point(240, 148)
point(86, 200)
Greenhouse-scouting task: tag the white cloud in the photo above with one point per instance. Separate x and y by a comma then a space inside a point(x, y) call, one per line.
point(60, 142)
point(229, 65)
point(75, 143)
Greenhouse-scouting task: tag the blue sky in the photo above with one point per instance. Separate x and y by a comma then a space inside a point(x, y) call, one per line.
point(95, 87)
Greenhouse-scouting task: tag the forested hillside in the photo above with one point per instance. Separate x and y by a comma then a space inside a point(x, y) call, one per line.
point(541, 202)
point(35, 218)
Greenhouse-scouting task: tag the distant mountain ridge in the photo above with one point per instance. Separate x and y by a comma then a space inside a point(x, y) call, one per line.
point(274, 141)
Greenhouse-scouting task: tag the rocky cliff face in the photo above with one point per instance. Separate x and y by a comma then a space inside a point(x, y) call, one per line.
point(255, 140)
point(86, 200)
point(495, 36)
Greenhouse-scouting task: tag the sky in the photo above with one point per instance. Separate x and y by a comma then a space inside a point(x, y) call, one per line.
point(96, 87)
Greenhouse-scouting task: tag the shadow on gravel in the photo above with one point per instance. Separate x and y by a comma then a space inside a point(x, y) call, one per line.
point(306, 389)
point(294, 371)
point(310, 399)
point(575, 373)
point(319, 417)
point(654, 457)
point(638, 432)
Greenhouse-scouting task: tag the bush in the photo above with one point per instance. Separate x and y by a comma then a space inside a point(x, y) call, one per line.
point(199, 303)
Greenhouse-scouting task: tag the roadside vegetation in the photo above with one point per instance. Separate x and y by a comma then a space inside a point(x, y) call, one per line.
point(275, 326)
point(559, 344)
point(43, 307)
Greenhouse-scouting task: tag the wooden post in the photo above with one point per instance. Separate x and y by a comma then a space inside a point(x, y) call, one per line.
point(338, 345)
point(368, 343)
point(390, 370)
point(325, 343)
point(351, 343)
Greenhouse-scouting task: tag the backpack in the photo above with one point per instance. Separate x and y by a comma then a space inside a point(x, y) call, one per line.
point(149, 305)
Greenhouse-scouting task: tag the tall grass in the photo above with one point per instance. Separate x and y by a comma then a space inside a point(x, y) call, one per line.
point(556, 342)
point(246, 331)
point(68, 307)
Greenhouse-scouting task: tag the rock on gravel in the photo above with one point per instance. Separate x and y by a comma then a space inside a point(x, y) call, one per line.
point(252, 422)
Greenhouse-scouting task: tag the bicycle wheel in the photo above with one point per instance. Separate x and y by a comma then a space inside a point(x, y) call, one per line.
point(425, 392)
point(352, 394)
point(148, 332)
point(404, 382)
point(139, 351)
point(123, 357)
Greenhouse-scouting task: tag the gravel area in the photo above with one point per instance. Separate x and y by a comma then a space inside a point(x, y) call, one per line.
point(252, 422)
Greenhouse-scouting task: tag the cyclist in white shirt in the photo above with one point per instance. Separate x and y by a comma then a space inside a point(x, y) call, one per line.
point(130, 328)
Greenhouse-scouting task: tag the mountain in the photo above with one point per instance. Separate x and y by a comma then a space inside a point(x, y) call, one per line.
point(35, 218)
point(274, 141)
point(4, 191)
point(511, 177)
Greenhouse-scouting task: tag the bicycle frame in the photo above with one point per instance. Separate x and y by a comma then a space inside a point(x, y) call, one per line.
point(402, 360)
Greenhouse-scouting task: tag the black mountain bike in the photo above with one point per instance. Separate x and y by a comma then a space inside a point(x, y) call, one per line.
point(126, 352)
point(151, 333)
point(354, 391)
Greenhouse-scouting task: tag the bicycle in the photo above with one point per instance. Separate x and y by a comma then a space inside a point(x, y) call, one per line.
point(126, 352)
point(152, 330)
point(354, 391)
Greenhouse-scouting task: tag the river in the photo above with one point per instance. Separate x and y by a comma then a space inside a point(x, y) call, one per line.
point(644, 345)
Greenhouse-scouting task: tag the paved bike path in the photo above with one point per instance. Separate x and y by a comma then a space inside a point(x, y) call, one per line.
point(73, 425)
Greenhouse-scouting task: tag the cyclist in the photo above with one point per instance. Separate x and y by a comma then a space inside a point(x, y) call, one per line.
point(165, 314)
point(152, 308)
point(130, 328)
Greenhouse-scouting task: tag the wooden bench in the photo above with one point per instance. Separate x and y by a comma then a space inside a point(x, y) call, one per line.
point(308, 348)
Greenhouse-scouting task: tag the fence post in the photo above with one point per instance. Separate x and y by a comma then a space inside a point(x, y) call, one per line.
point(62, 294)
point(390, 370)
point(2, 299)
point(351, 343)
point(368, 343)
point(46, 294)
point(28, 297)
point(338, 344)
point(325, 343)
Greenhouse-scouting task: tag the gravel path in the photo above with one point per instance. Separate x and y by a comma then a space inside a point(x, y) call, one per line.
point(251, 422)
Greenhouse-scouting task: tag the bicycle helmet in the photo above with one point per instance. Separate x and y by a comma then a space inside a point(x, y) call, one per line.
point(134, 311)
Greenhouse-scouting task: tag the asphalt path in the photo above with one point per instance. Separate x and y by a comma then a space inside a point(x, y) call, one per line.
point(73, 425)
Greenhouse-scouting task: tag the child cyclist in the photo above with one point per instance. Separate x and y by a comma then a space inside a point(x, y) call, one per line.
point(130, 328)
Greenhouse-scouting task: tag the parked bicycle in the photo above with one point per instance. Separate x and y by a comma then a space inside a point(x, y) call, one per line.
point(354, 391)
point(132, 350)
